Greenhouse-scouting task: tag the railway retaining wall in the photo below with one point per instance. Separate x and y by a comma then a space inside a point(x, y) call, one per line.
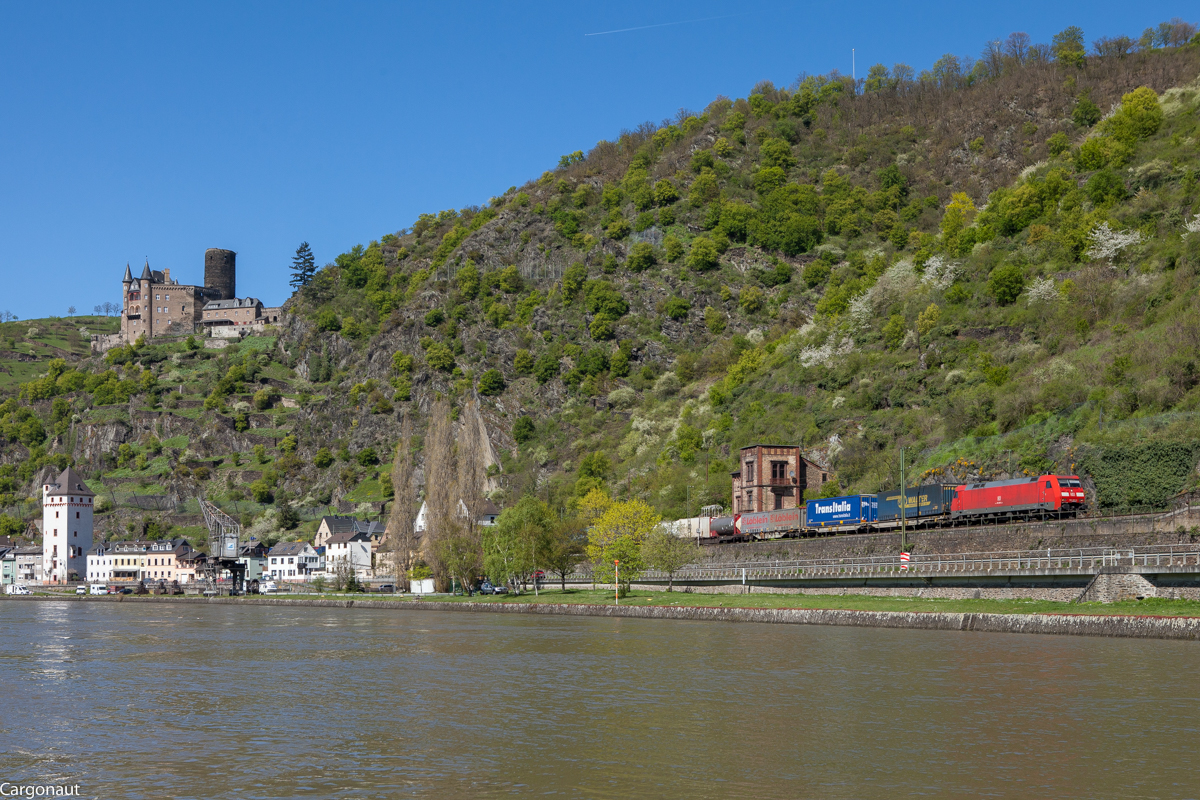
point(1180, 527)
point(1187, 628)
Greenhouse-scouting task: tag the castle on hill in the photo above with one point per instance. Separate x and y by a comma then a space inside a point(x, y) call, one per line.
point(154, 304)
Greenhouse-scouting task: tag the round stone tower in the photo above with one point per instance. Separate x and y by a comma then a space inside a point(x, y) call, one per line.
point(220, 272)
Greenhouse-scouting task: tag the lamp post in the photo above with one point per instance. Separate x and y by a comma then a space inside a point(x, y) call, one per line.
point(616, 582)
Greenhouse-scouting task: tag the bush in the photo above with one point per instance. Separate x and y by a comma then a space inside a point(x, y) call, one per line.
point(546, 368)
point(714, 320)
point(641, 257)
point(468, 279)
point(288, 444)
point(815, 274)
point(327, 320)
point(666, 386)
point(261, 492)
point(624, 397)
point(434, 317)
point(510, 280)
point(677, 308)
point(260, 454)
point(618, 365)
point(523, 362)
point(523, 430)
point(265, 398)
point(440, 357)
point(618, 229)
point(1105, 187)
point(1058, 144)
point(704, 255)
point(573, 281)
point(491, 383)
point(323, 458)
point(1085, 115)
point(367, 457)
point(1006, 283)
point(672, 248)
point(751, 300)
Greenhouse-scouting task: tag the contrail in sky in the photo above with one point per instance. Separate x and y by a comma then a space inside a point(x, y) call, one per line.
point(663, 25)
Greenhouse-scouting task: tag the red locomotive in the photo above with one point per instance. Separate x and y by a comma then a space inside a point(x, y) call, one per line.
point(1045, 495)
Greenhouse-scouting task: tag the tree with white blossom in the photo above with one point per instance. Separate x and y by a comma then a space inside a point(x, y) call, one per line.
point(1042, 290)
point(1107, 244)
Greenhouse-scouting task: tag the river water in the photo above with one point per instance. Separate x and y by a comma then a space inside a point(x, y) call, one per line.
point(148, 701)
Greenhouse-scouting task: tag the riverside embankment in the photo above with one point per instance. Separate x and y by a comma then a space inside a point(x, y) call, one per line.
point(1114, 625)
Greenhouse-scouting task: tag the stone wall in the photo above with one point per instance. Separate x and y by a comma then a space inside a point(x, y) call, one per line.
point(1138, 627)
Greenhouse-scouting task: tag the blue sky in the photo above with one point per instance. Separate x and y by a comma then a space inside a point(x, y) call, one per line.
point(157, 130)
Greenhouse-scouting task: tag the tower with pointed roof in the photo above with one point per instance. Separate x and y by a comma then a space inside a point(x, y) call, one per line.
point(67, 531)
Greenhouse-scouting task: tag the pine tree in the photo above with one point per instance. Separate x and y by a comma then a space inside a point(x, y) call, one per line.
point(303, 266)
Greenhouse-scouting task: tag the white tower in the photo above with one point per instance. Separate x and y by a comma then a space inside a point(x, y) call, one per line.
point(66, 527)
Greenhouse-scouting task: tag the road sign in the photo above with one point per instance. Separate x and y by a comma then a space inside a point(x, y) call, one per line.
point(737, 524)
point(904, 561)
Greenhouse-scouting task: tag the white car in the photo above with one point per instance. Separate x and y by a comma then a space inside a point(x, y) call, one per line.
point(269, 586)
point(98, 588)
point(16, 588)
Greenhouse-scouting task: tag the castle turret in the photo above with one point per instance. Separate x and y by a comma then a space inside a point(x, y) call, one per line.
point(127, 281)
point(220, 273)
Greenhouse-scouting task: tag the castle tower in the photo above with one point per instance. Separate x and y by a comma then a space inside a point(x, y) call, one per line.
point(66, 527)
point(146, 324)
point(220, 273)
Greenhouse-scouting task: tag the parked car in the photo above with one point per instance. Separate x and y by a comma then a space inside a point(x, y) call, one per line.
point(386, 588)
point(98, 588)
point(16, 588)
point(114, 590)
point(268, 587)
point(80, 590)
point(487, 588)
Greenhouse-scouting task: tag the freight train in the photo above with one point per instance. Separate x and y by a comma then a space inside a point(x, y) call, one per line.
point(932, 505)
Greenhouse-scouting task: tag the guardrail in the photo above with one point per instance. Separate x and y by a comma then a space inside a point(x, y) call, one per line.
point(1085, 559)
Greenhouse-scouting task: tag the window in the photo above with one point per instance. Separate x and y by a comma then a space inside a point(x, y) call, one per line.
point(76, 515)
point(778, 470)
point(156, 297)
point(1048, 485)
point(749, 471)
point(824, 477)
point(749, 499)
point(778, 502)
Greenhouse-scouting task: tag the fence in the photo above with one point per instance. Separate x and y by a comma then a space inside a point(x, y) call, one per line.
point(1085, 559)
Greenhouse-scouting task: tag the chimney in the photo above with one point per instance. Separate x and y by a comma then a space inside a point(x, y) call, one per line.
point(167, 275)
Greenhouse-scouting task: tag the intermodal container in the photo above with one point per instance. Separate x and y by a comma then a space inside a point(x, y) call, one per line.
point(852, 511)
point(772, 523)
point(931, 500)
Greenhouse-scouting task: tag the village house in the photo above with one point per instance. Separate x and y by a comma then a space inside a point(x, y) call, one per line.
point(352, 549)
point(331, 525)
point(292, 561)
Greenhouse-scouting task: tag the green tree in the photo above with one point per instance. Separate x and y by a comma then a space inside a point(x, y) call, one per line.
point(665, 193)
point(893, 331)
point(1006, 283)
point(491, 383)
point(561, 548)
point(751, 300)
point(303, 266)
point(777, 153)
point(523, 362)
point(468, 279)
point(327, 320)
point(666, 552)
point(672, 248)
point(677, 308)
point(511, 545)
point(546, 368)
point(440, 357)
point(1058, 144)
point(618, 534)
point(927, 320)
point(1086, 113)
point(523, 429)
point(1067, 46)
point(714, 320)
point(574, 277)
point(367, 457)
point(641, 257)
point(323, 458)
point(704, 255)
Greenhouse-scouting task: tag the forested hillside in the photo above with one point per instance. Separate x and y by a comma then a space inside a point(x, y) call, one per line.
point(992, 264)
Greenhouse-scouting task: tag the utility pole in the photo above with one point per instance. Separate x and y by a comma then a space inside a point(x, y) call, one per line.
point(853, 72)
point(903, 503)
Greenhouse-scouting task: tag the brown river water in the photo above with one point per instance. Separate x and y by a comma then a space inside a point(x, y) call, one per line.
point(152, 701)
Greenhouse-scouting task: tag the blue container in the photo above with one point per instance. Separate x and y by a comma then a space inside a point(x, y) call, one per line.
point(852, 511)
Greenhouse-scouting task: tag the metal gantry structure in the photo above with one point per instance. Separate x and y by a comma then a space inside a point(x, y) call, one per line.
point(224, 549)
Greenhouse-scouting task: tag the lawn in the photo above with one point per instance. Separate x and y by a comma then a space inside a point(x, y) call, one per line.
point(852, 602)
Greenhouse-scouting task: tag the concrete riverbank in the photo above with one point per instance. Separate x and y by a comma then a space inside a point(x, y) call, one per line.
point(1137, 627)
